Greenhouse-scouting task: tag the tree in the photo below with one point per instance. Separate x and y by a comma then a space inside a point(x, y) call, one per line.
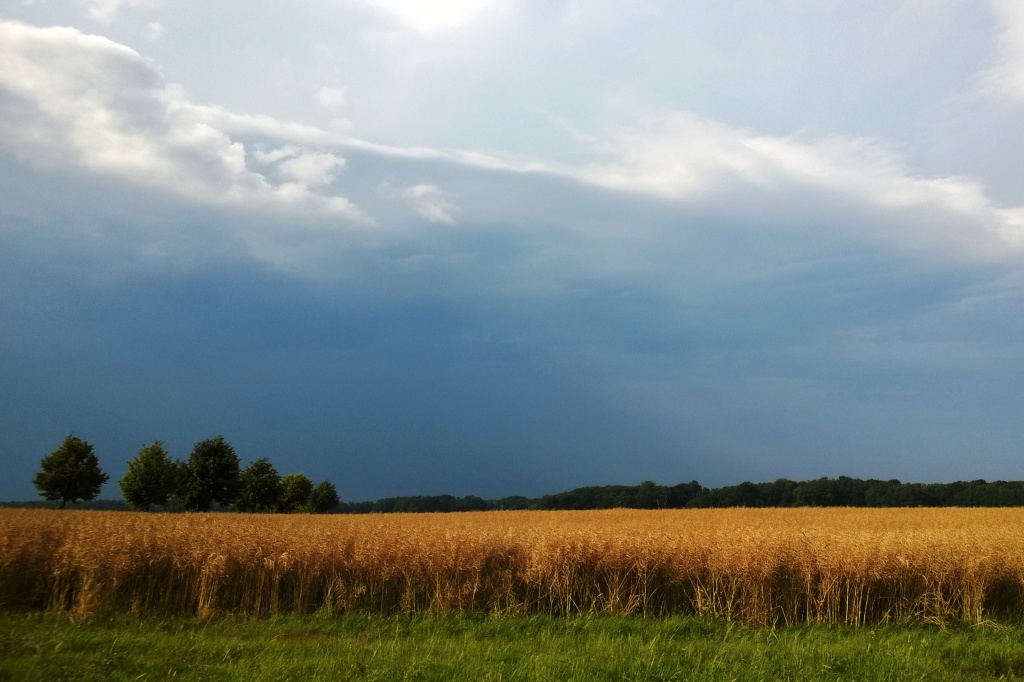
point(70, 473)
point(259, 487)
point(151, 478)
point(295, 492)
point(650, 495)
point(211, 475)
point(323, 499)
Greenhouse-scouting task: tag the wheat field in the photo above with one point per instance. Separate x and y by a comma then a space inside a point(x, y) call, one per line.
point(766, 566)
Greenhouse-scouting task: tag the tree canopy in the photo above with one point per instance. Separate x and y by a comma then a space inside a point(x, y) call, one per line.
point(209, 477)
point(295, 492)
point(70, 473)
point(259, 487)
point(323, 499)
point(151, 478)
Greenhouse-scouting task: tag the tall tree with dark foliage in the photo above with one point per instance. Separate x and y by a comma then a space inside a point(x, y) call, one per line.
point(70, 473)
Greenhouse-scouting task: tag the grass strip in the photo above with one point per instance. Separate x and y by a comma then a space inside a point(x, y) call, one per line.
point(454, 647)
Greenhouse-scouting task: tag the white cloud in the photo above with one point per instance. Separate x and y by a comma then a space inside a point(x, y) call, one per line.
point(427, 200)
point(426, 17)
point(70, 98)
point(1006, 78)
point(305, 166)
point(104, 11)
point(331, 99)
point(334, 101)
point(431, 203)
point(154, 31)
point(679, 156)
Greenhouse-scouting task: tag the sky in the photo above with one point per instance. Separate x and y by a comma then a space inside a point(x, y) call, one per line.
point(512, 247)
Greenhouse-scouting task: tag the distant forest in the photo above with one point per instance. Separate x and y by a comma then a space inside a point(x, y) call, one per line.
point(823, 492)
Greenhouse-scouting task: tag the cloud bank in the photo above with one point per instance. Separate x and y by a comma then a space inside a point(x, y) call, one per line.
point(74, 98)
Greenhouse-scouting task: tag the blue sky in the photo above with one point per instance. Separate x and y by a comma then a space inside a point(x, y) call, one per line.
point(502, 247)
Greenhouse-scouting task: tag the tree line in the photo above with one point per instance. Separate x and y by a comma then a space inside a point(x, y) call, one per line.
point(823, 492)
point(843, 491)
point(211, 478)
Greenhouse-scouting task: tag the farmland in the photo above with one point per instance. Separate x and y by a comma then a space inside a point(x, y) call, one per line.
point(772, 567)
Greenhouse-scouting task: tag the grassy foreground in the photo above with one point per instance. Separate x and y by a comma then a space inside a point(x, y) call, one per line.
point(451, 647)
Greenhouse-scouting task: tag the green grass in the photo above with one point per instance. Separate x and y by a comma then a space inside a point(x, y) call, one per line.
point(37, 646)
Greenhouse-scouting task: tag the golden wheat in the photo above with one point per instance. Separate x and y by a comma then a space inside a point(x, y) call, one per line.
point(771, 566)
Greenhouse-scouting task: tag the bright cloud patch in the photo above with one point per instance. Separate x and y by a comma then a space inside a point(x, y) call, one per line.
point(334, 101)
point(684, 157)
point(430, 16)
point(1007, 76)
point(427, 200)
point(154, 31)
point(331, 99)
point(71, 98)
point(104, 11)
point(430, 203)
point(310, 168)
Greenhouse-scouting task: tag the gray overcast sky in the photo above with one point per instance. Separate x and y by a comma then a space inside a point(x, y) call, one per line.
point(502, 247)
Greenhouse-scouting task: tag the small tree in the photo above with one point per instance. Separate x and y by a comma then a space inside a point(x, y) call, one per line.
point(295, 492)
point(70, 473)
point(259, 487)
point(323, 499)
point(151, 478)
point(209, 476)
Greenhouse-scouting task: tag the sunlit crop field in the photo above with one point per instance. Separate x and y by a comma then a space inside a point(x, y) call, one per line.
point(771, 566)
